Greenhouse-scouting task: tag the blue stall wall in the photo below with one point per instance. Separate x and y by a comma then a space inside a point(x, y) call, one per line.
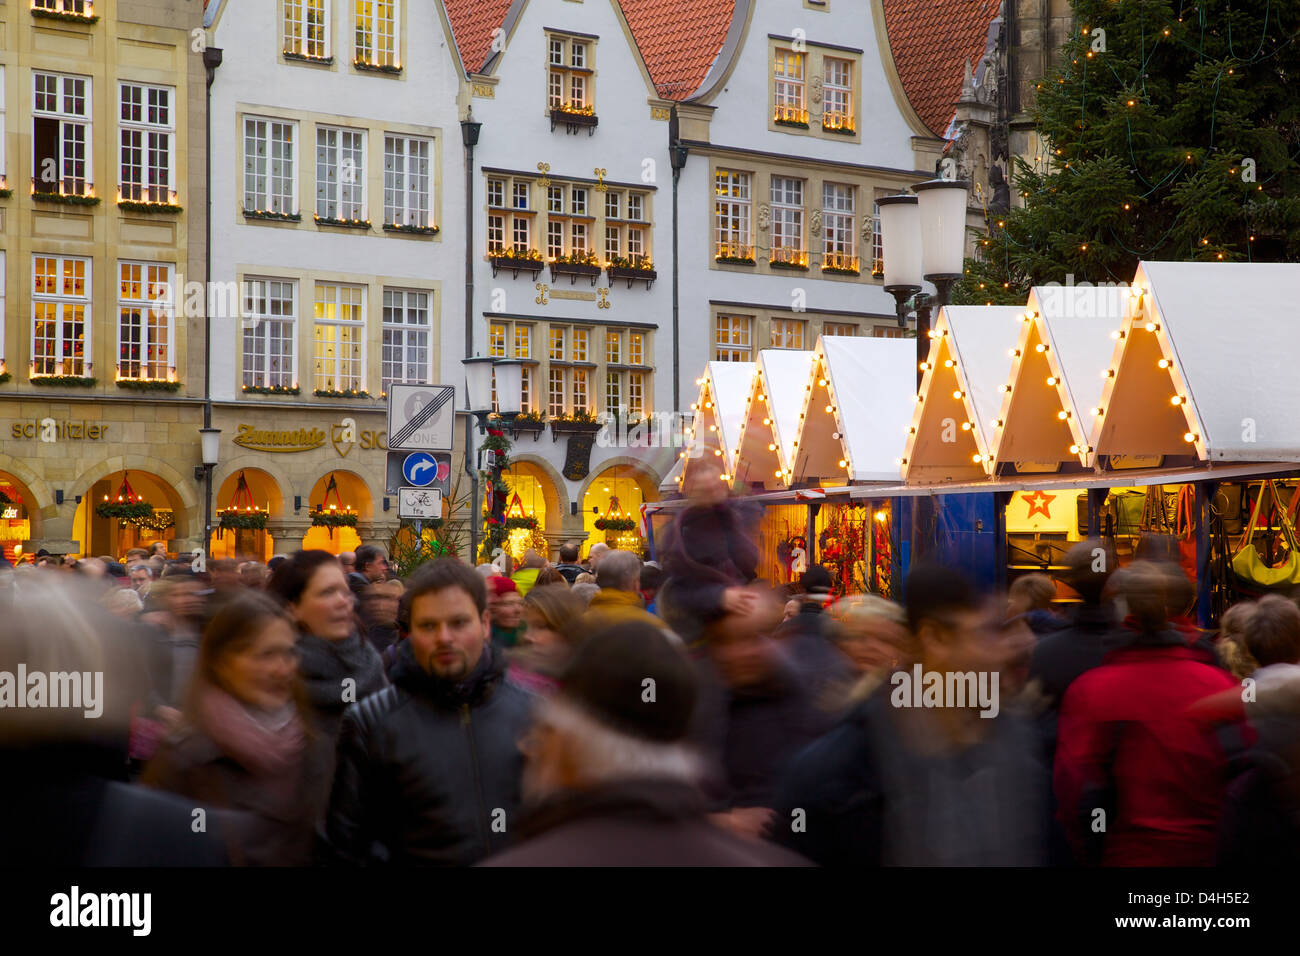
point(970, 538)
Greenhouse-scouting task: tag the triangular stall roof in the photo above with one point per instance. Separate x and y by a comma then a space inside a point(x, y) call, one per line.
point(1205, 366)
point(718, 411)
point(868, 385)
point(1058, 368)
point(769, 430)
point(954, 431)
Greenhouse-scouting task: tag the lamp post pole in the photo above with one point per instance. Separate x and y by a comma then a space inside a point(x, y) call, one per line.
point(469, 134)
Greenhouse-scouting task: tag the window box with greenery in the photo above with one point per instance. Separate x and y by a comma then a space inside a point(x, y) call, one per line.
point(576, 265)
point(138, 205)
point(148, 385)
point(533, 422)
point(308, 58)
point(51, 11)
point(516, 260)
point(410, 230)
point(633, 269)
point(272, 390)
point(791, 259)
point(574, 118)
point(734, 255)
point(366, 66)
point(4, 377)
point(88, 198)
point(342, 223)
point(579, 422)
point(270, 216)
point(838, 264)
point(65, 381)
point(341, 393)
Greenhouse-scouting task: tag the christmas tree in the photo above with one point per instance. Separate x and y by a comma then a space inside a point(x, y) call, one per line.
point(1171, 131)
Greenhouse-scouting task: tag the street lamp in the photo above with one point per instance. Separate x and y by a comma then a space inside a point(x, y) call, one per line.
point(478, 389)
point(509, 375)
point(210, 444)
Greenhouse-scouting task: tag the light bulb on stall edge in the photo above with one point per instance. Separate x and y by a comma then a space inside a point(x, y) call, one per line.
point(1190, 438)
point(1163, 363)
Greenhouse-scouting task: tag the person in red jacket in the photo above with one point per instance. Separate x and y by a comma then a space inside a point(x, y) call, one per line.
point(1140, 781)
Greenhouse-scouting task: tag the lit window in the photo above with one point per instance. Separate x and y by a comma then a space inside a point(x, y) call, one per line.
point(407, 332)
point(496, 193)
point(877, 243)
point(555, 392)
point(613, 200)
point(555, 198)
point(61, 134)
point(635, 395)
point(340, 337)
point(580, 340)
point(787, 221)
point(837, 93)
point(839, 249)
point(636, 348)
point(306, 28)
point(554, 239)
point(580, 400)
point(497, 340)
point(787, 334)
point(839, 328)
point(340, 173)
point(636, 207)
point(613, 346)
point(733, 338)
point(270, 168)
point(60, 315)
point(147, 142)
point(270, 329)
point(613, 392)
point(377, 32)
point(408, 181)
point(731, 216)
point(569, 75)
point(788, 77)
point(557, 343)
point(144, 326)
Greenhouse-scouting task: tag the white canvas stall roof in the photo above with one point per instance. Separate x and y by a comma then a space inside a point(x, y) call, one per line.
point(873, 384)
point(785, 374)
point(718, 388)
point(1229, 334)
point(731, 381)
point(981, 335)
point(668, 486)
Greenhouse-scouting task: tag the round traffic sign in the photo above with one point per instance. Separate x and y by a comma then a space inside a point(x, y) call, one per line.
point(420, 468)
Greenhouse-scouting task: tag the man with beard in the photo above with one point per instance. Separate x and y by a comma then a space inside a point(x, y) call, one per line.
point(429, 768)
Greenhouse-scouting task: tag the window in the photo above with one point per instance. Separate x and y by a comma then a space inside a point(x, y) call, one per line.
point(623, 240)
point(578, 201)
point(636, 348)
point(580, 340)
point(612, 244)
point(407, 332)
point(340, 337)
point(340, 173)
point(733, 338)
point(496, 192)
point(636, 207)
point(554, 239)
point(144, 325)
point(788, 90)
point(147, 143)
point(2, 305)
point(61, 142)
point(613, 391)
point(787, 221)
point(877, 243)
point(614, 346)
point(578, 239)
point(4, 179)
point(63, 6)
point(837, 93)
point(407, 181)
point(787, 334)
point(524, 350)
point(519, 196)
point(497, 340)
point(270, 328)
point(839, 328)
point(269, 166)
point(557, 344)
point(635, 395)
point(511, 223)
point(635, 243)
point(887, 332)
point(731, 215)
point(580, 378)
point(840, 250)
point(555, 393)
point(569, 76)
point(306, 28)
point(555, 199)
point(377, 33)
point(60, 316)
point(613, 202)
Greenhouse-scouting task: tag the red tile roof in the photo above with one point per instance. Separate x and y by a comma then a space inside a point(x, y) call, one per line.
point(472, 21)
point(931, 42)
point(679, 40)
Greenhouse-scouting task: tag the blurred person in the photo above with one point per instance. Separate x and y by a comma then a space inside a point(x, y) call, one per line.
point(872, 633)
point(66, 802)
point(610, 781)
point(427, 765)
point(371, 567)
point(754, 715)
point(1272, 634)
point(246, 743)
point(791, 609)
point(506, 609)
point(585, 590)
point(123, 603)
point(158, 549)
point(652, 579)
point(157, 565)
point(93, 568)
point(709, 556)
point(348, 561)
point(1231, 644)
point(619, 597)
point(1031, 595)
point(488, 570)
point(275, 562)
point(117, 573)
point(892, 783)
point(551, 613)
point(548, 576)
point(569, 566)
point(1127, 744)
point(526, 577)
point(806, 639)
point(177, 609)
point(224, 575)
point(586, 577)
point(133, 555)
point(253, 575)
point(379, 613)
point(337, 665)
point(594, 554)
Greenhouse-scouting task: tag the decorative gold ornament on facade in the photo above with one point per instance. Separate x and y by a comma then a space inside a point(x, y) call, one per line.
point(604, 298)
point(600, 172)
point(545, 181)
point(542, 289)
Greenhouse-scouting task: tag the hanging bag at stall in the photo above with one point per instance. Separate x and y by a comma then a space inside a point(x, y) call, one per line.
point(1247, 563)
point(1185, 528)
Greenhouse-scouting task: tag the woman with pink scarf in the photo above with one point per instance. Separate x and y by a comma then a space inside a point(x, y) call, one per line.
point(245, 745)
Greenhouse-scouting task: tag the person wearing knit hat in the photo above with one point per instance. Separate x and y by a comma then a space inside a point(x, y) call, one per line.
point(506, 606)
point(609, 779)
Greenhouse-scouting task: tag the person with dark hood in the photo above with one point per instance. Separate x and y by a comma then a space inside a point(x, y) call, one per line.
point(709, 556)
point(569, 566)
point(338, 666)
point(928, 770)
point(1129, 749)
point(379, 613)
point(429, 769)
point(807, 639)
point(609, 780)
point(246, 744)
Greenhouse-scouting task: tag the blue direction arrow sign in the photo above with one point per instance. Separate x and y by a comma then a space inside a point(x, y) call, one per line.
point(420, 468)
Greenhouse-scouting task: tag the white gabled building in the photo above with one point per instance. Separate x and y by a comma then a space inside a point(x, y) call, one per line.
point(336, 214)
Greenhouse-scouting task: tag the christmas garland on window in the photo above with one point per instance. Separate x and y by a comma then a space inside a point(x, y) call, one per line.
point(133, 512)
point(615, 524)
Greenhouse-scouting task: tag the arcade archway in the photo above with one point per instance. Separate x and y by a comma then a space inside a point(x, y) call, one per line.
point(20, 517)
point(111, 519)
point(240, 509)
point(611, 507)
point(338, 500)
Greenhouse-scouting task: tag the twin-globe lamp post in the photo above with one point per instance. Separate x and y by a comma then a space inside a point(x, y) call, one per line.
point(924, 240)
point(480, 374)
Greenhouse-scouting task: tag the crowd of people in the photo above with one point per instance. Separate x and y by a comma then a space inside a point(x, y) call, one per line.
point(320, 710)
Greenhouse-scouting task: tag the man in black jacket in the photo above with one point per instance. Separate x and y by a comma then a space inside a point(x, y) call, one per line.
point(429, 769)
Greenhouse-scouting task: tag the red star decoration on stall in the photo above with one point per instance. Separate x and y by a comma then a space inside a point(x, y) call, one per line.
point(1038, 502)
